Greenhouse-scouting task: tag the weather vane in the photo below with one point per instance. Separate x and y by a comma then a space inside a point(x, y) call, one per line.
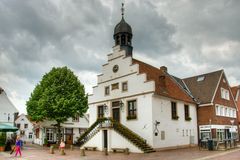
point(122, 9)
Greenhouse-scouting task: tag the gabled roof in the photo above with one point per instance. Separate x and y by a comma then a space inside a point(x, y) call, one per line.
point(203, 86)
point(235, 91)
point(168, 86)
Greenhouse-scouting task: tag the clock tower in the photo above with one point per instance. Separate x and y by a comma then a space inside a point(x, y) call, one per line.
point(123, 35)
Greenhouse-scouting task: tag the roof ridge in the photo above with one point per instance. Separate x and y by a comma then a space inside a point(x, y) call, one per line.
point(145, 64)
point(204, 74)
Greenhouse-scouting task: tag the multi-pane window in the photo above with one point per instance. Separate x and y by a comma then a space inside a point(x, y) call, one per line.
point(124, 86)
point(224, 94)
point(30, 136)
point(100, 111)
point(107, 90)
point(75, 119)
point(25, 125)
point(18, 126)
point(115, 86)
point(225, 111)
point(186, 112)
point(132, 109)
point(174, 110)
point(49, 135)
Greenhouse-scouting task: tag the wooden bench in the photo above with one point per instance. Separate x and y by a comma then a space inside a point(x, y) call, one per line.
point(122, 150)
point(90, 148)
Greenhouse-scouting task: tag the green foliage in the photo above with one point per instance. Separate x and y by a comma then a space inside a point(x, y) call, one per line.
point(2, 138)
point(58, 96)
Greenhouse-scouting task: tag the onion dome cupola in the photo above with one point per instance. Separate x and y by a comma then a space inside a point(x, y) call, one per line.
point(123, 35)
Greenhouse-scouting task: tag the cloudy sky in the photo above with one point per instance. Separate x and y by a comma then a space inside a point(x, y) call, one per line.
point(190, 37)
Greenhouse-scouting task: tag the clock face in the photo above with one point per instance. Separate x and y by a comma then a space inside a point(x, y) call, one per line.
point(115, 68)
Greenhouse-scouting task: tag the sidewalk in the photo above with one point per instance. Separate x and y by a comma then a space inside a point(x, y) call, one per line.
point(39, 153)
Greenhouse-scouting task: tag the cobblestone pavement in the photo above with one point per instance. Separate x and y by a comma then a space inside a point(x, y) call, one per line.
point(33, 152)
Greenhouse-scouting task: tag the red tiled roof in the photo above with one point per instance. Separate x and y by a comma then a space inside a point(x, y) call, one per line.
point(165, 84)
point(203, 90)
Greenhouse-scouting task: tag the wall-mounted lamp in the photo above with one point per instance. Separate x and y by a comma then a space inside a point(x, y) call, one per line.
point(156, 124)
point(121, 105)
point(105, 108)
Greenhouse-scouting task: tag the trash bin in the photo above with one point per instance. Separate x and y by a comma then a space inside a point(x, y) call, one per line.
point(210, 145)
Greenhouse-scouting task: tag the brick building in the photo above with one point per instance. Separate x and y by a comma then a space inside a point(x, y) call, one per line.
point(217, 109)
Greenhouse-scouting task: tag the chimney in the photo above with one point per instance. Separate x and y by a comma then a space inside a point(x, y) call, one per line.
point(163, 68)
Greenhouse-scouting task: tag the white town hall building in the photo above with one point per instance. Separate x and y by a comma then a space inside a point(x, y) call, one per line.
point(145, 108)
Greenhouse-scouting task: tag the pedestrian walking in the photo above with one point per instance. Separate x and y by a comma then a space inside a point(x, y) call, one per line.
point(18, 146)
point(62, 145)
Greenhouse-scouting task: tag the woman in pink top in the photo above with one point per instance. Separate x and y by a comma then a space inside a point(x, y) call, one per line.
point(18, 146)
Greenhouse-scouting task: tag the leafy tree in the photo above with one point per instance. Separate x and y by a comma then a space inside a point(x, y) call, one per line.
point(58, 96)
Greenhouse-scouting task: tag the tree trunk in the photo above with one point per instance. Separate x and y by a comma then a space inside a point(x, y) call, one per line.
point(59, 132)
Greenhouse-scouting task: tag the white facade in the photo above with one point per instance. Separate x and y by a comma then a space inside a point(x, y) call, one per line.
point(7, 109)
point(25, 128)
point(72, 129)
point(150, 108)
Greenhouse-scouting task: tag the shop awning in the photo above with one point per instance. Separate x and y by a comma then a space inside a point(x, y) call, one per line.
point(7, 128)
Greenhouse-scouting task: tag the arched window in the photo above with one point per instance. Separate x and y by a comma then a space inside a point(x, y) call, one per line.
point(129, 40)
point(123, 39)
point(117, 40)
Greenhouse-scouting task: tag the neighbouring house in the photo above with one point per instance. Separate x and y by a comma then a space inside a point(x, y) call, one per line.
point(25, 127)
point(137, 106)
point(217, 109)
point(72, 129)
point(8, 112)
point(236, 95)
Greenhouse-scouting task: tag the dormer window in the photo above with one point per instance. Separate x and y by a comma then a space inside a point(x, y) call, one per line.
point(201, 78)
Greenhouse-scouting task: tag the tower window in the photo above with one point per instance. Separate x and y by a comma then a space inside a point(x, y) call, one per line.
point(117, 40)
point(123, 39)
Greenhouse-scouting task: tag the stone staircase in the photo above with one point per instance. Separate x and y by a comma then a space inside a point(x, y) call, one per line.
point(134, 138)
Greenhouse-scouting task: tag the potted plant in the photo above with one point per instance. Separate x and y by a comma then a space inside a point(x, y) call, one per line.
point(188, 118)
point(45, 143)
point(2, 141)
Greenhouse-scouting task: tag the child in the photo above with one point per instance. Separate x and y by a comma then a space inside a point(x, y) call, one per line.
point(62, 145)
point(18, 146)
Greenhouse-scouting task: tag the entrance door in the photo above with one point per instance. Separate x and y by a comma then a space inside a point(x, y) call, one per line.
point(69, 139)
point(105, 139)
point(116, 114)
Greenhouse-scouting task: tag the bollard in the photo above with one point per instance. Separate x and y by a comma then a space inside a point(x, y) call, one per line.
point(126, 151)
point(62, 151)
point(105, 151)
point(71, 147)
point(82, 152)
point(51, 149)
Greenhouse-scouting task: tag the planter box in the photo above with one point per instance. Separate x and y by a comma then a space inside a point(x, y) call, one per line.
point(2, 148)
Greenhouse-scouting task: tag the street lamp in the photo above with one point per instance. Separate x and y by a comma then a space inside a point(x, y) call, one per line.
point(210, 123)
point(232, 121)
point(105, 108)
point(121, 104)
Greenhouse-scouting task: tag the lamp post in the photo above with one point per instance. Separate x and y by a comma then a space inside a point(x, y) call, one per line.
point(232, 121)
point(210, 123)
point(232, 141)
